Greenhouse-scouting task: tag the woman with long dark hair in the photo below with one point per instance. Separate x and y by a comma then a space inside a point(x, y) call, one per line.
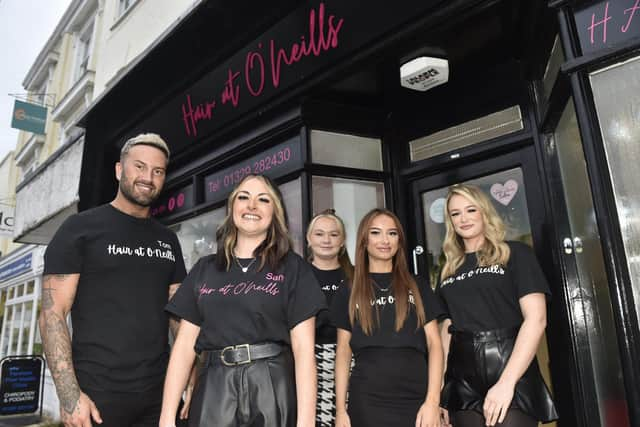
point(388, 322)
point(249, 312)
point(326, 240)
point(494, 292)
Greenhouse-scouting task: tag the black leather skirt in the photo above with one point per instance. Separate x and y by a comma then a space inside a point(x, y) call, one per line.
point(476, 361)
point(261, 393)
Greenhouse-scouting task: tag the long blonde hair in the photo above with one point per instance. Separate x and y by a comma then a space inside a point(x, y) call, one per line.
point(343, 255)
point(494, 250)
point(273, 248)
point(402, 283)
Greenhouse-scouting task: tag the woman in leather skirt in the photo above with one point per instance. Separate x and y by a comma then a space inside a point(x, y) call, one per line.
point(494, 292)
point(389, 323)
point(249, 312)
point(326, 239)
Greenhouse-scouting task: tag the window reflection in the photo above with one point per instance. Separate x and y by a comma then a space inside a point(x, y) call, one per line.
point(615, 91)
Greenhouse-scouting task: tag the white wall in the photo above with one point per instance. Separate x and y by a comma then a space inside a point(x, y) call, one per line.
point(122, 39)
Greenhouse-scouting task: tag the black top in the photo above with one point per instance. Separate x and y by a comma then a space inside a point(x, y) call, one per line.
point(126, 264)
point(330, 281)
point(486, 298)
point(410, 336)
point(233, 307)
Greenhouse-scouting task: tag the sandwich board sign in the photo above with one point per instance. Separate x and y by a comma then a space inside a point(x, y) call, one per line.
point(21, 382)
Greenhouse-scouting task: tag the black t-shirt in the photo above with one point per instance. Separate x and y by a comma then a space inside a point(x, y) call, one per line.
point(485, 298)
point(126, 264)
point(330, 281)
point(233, 307)
point(384, 335)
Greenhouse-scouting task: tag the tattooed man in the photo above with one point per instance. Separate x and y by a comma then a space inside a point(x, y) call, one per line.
point(112, 268)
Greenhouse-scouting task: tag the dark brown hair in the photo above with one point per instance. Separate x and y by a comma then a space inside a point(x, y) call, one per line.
point(402, 283)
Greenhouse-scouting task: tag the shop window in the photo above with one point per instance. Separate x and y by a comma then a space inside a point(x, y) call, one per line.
point(350, 198)
point(124, 6)
point(18, 331)
point(292, 195)
point(83, 51)
point(337, 149)
point(616, 92)
point(197, 235)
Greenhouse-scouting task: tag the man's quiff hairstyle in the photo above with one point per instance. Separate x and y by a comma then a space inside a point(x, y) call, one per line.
point(150, 139)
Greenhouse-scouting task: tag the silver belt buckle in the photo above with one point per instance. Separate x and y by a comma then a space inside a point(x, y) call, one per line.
point(237, 347)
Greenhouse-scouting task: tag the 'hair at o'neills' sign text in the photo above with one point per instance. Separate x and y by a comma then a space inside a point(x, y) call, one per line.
point(264, 66)
point(314, 38)
point(607, 23)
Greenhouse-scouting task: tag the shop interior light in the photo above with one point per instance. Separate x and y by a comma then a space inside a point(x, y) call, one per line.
point(424, 72)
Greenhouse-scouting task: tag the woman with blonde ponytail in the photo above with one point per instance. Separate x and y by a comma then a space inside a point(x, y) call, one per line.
point(494, 292)
point(327, 240)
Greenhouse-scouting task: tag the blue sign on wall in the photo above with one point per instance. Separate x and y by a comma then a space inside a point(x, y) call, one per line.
point(16, 267)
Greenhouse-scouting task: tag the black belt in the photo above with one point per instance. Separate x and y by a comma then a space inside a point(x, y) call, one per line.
point(241, 354)
point(484, 336)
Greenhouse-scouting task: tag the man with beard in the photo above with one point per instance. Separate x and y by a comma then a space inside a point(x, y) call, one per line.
point(113, 268)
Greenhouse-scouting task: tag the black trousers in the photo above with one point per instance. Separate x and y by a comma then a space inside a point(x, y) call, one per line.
point(139, 409)
point(130, 409)
point(387, 387)
point(258, 394)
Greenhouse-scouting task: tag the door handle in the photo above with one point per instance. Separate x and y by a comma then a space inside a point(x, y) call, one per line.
point(418, 250)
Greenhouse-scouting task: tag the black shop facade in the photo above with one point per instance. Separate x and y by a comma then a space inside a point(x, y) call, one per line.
point(531, 101)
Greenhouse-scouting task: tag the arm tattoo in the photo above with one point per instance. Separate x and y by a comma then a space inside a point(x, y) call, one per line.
point(57, 346)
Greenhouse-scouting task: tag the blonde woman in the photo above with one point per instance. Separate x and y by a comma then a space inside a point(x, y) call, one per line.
point(389, 323)
point(249, 311)
point(326, 240)
point(494, 292)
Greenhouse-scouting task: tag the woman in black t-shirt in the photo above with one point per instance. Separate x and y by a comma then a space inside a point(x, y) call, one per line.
point(494, 292)
point(326, 239)
point(389, 323)
point(249, 312)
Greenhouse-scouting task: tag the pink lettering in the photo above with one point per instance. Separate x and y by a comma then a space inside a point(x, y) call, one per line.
point(318, 43)
point(275, 277)
point(323, 35)
point(603, 22)
point(248, 67)
point(231, 90)
point(239, 288)
point(204, 290)
point(631, 11)
point(192, 116)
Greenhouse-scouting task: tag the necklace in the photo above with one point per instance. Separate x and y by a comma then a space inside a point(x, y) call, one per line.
point(242, 267)
point(380, 287)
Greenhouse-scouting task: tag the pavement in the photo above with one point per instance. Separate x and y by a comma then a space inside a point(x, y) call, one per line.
point(24, 421)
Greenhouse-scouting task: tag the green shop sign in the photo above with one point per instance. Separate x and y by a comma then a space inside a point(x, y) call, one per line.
point(29, 117)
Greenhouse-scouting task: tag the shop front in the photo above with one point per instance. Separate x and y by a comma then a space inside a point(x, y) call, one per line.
point(313, 99)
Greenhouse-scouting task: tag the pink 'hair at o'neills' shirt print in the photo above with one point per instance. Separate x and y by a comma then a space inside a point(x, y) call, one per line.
point(244, 288)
